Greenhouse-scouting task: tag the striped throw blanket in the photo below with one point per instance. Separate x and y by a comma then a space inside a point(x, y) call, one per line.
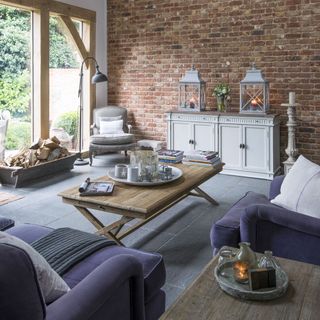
point(64, 247)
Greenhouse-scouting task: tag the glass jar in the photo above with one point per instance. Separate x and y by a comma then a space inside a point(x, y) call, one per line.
point(226, 255)
point(268, 261)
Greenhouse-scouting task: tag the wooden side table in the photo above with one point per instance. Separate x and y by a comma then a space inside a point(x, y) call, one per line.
point(204, 299)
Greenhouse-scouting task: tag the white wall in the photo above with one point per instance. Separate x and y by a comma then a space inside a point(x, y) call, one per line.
point(100, 7)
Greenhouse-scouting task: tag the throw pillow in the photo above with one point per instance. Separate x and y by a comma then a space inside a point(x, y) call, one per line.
point(51, 284)
point(107, 127)
point(109, 118)
point(300, 190)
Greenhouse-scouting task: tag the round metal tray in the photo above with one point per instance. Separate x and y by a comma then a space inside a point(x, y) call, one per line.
point(228, 284)
point(176, 174)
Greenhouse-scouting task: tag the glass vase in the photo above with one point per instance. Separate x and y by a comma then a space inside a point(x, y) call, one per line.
point(245, 254)
point(268, 261)
point(222, 103)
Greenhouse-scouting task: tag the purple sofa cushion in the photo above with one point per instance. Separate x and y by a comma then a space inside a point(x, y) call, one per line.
point(20, 294)
point(153, 265)
point(226, 231)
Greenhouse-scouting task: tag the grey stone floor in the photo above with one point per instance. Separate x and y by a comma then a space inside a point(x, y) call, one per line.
point(181, 234)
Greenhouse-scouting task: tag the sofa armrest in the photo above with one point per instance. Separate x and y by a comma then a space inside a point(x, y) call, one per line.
point(287, 233)
point(275, 187)
point(5, 223)
point(114, 290)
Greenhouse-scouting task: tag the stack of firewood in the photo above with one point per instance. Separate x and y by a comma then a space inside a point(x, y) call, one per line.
point(40, 152)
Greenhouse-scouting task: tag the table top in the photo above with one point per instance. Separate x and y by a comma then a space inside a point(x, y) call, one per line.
point(141, 202)
point(204, 300)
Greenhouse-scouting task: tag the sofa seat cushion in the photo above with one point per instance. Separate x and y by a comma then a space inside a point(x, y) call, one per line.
point(112, 138)
point(226, 231)
point(153, 265)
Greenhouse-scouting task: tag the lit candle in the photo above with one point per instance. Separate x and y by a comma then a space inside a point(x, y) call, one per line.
point(192, 102)
point(240, 271)
point(254, 103)
point(292, 98)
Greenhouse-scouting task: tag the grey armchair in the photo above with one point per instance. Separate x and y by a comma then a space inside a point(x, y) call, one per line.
point(101, 142)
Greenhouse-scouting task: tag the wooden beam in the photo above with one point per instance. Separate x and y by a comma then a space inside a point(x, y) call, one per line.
point(74, 36)
point(41, 73)
point(53, 7)
point(71, 11)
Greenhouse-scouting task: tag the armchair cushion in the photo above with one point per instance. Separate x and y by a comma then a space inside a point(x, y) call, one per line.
point(109, 118)
point(113, 139)
point(300, 190)
point(52, 285)
point(110, 127)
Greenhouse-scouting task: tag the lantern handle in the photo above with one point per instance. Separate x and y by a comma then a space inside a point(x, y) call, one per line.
point(253, 66)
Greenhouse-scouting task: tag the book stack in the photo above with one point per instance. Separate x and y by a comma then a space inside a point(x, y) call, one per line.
point(205, 158)
point(170, 156)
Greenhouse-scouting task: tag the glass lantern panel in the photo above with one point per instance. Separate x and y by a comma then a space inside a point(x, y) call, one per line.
point(182, 98)
point(202, 99)
point(192, 97)
point(252, 97)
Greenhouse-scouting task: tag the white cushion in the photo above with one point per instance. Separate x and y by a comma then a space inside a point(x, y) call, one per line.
point(110, 118)
point(109, 127)
point(113, 139)
point(300, 190)
point(51, 284)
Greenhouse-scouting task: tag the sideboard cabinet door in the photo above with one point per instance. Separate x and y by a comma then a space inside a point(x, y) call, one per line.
point(230, 139)
point(256, 148)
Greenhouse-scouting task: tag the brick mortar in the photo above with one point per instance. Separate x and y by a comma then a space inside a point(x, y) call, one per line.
point(152, 43)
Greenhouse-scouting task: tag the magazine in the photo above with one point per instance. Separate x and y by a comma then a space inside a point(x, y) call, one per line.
point(96, 188)
point(200, 155)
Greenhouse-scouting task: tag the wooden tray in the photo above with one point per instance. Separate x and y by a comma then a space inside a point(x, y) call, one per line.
point(19, 177)
point(228, 284)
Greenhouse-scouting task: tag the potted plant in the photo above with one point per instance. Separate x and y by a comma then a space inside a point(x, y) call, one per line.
point(221, 92)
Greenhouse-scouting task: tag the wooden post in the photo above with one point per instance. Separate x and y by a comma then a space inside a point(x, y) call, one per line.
point(41, 72)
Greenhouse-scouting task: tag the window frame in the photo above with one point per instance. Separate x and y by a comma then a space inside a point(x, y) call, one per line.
point(41, 11)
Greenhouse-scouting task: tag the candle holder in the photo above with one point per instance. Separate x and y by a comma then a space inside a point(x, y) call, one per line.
point(240, 271)
point(291, 149)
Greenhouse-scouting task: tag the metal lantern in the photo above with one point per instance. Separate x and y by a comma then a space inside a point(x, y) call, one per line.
point(254, 92)
point(192, 91)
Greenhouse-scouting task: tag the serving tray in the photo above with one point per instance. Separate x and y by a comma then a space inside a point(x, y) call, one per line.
point(224, 276)
point(176, 174)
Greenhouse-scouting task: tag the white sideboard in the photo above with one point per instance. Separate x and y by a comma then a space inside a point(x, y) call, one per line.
point(249, 145)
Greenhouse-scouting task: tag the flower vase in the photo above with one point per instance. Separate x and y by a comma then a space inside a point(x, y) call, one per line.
point(221, 104)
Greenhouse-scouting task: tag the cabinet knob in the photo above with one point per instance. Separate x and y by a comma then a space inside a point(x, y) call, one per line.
point(242, 146)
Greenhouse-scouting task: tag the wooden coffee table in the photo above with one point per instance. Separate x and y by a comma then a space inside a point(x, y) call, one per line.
point(141, 203)
point(204, 300)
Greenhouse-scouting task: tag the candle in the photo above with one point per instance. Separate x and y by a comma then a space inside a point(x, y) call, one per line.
point(240, 271)
point(192, 103)
point(292, 97)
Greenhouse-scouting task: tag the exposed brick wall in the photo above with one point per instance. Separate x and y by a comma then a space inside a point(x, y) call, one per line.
point(152, 43)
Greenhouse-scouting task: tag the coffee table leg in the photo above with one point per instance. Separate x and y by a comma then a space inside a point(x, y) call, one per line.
point(201, 193)
point(98, 224)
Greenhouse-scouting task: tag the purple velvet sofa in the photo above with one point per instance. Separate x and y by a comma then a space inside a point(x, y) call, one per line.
point(266, 226)
point(112, 283)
